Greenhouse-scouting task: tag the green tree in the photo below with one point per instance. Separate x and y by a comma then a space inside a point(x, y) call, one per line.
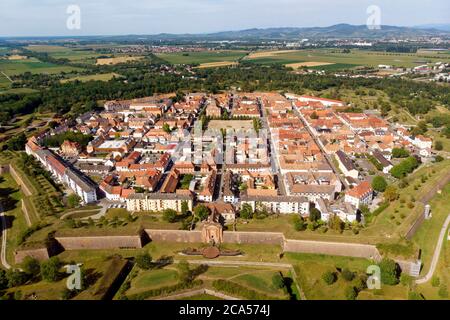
point(31, 266)
point(314, 215)
point(400, 153)
point(391, 194)
point(347, 275)
point(246, 211)
point(329, 277)
point(50, 269)
point(16, 278)
point(435, 281)
point(439, 146)
point(184, 272)
point(166, 128)
point(336, 223)
point(73, 200)
point(3, 280)
point(299, 223)
point(278, 281)
point(201, 212)
point(412, 295)
point(17, 143)
point(144, 260)
point(184, 208)
point(351, 293)
point(379, 184)
point(389, 272)
point(170, 215)
point(443, 291)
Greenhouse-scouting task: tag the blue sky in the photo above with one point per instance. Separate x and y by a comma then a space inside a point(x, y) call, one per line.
point(111, 17)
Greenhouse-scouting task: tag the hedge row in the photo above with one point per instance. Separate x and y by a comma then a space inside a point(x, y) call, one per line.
point(238, 290)
point(165, 290)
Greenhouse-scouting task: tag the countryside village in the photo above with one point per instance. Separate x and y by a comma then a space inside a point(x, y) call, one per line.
point(234, 153)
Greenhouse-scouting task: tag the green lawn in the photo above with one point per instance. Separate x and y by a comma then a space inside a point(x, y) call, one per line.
point(94, 267)
point(427, 236)
point(310, 268)
point(202, 57)
point(153, 279)
point(14, 215)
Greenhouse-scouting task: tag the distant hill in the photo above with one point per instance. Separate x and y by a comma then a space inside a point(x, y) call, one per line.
point(441, 26)
point(339, 31)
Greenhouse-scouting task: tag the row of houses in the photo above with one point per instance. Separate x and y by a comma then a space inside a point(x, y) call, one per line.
point(76, 181)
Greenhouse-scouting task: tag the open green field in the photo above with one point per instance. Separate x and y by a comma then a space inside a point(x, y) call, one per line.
point(202, 57)
point(355, 58)
point(4, 51)
point(427, 236)
point(258, 279)
point(95, 269)
point(16, 67)
point(442, 273)
point(397, 218)
point(95, 77)
point(5, 84)
point(310, 268)
point(14, 215)
point(73, 54)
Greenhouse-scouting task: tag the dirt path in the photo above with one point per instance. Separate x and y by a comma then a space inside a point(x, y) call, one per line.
point(4, 240)
point(437, 253)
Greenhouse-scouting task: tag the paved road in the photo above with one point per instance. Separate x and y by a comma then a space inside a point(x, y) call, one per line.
point(437, 252)
point(4, 239)
point(319, 143)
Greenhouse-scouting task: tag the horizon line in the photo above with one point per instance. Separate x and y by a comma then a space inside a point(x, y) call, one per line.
point(215, 32)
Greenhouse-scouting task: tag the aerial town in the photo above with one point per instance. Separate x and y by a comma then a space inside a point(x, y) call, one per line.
point(145, 156)
point(224, 150)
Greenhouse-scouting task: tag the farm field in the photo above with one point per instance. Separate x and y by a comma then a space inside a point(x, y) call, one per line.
point(95, 77)
point(116, 60)
point(355, 58)
point(5, 84)
point(217, 64)
point(73, 54)
point(15, 67)
point(203, 57)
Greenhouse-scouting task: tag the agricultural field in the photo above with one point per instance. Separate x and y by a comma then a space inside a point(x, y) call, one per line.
point(95, 77)
point(16, 67)
point(116, 60)
point(5, 83)
point(203, 58)
point(75, 55)
point(346, 60)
